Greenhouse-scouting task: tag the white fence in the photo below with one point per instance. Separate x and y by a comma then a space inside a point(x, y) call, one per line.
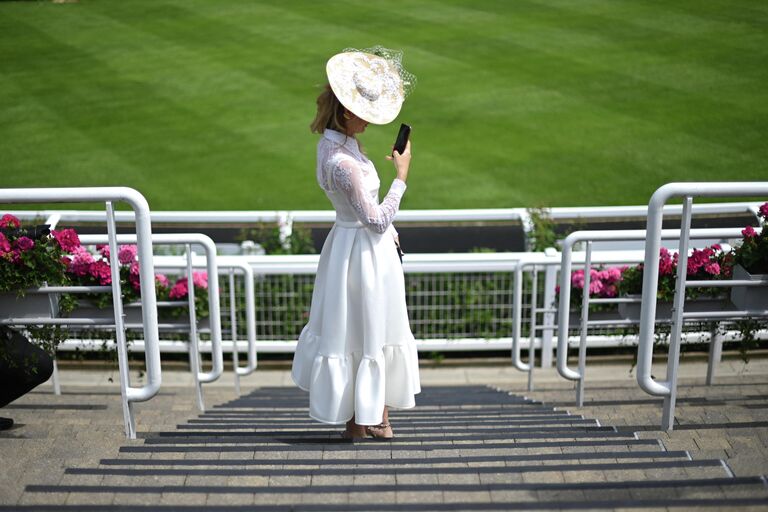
point(475, 301)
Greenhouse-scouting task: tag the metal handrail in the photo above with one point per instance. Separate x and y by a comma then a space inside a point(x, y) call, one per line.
point(565, 289)
point(687, 191)
point(425, 215)
point(230, 263)
point(213, 298)
point(142, 217)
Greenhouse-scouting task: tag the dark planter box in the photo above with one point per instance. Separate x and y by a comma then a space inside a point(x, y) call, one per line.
point(631, 310)
point(749, 298)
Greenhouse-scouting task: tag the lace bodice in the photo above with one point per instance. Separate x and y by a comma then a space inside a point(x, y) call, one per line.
point(350, 180)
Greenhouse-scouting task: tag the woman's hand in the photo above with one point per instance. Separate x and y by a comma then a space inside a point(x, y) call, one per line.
point(402, 161)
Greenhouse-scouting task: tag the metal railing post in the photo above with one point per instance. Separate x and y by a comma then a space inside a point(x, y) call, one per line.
point(194, 350)
point(518, 300)
point(651, 275)
point(563, 308)
point(55, 378)
point(250, 319)
point(584, 319)
point(532, 334)
point(213, 289)
point(550, 281)
point(715, 352)
point(233, 328)
point(143, 221)
point(678, 305)
point(117, 305)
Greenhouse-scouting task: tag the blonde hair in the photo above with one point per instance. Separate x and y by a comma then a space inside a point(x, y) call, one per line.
point(330, 113)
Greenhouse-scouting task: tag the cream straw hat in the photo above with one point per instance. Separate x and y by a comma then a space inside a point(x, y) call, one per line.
point(371, 83)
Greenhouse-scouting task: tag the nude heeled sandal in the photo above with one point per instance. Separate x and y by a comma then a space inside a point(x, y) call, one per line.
point(377, 431)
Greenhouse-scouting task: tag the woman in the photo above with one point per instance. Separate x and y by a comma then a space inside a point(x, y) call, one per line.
point(356, 356)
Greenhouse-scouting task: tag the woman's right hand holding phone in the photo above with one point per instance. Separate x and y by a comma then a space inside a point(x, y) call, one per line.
point(402, 161)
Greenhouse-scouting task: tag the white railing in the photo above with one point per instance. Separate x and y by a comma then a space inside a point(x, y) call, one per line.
point(589, 237)
point(656, 206)
point(230, 265)
point(286, 218)
point(141, 216)
point(189, 240)
point(407, 216)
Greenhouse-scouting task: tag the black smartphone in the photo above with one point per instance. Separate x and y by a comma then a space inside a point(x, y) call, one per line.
point(402, 139)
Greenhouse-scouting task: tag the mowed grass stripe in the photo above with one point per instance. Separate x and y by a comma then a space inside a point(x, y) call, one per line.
point(206, 106)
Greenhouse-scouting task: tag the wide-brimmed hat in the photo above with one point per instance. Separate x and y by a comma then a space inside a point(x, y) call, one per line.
point(371, 83)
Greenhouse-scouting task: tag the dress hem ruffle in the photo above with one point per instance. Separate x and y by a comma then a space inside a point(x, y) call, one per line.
point(390, 378)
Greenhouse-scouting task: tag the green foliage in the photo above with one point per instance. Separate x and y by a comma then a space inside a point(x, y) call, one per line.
point(748, 327)
point(632, 277)
point(542, 234)
point(268, 236)
point(31, 268)
point(752, 253)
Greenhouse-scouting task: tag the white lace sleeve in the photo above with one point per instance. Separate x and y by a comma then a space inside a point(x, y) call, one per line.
point(347, 177)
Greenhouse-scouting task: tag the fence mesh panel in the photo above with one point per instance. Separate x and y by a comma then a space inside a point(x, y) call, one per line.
point(440, 305)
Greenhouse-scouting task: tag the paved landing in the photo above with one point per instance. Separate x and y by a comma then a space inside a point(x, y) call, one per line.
point(465, 447)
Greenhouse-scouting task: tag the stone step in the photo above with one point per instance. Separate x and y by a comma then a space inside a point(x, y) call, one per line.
point(667, 469)
point(405, 462)
point(735, 487)
point(504, 446)
point(399, 425)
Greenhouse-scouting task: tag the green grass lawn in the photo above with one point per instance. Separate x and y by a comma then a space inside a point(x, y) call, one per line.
point(205, 104)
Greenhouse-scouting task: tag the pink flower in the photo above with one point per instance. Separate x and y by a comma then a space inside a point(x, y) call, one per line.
point(763, 211)
point(126, 254)
point(100, 270)
point(5, 246)
point(610, 291)
point(595, 286)
point(748, 232)
point(162, 280)
point(697, 260)
point(200, 280)
point(9, 221)
point(133, 275)
point(81, 261)
point(24, 243)
point(103, 250)
point(68, 239)
point(15, 255)
point(180, 289)
point(577, 279)
point(712, 268)
point(666, 263)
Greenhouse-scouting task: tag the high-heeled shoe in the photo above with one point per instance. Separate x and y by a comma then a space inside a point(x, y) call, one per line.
point(380, 431)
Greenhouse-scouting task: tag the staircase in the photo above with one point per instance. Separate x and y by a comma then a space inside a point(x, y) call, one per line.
point(461, 448)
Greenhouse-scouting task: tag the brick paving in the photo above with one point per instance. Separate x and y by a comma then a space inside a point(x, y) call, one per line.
point(476, 441)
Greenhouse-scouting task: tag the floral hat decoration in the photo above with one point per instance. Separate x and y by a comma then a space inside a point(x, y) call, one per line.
point(371, 83)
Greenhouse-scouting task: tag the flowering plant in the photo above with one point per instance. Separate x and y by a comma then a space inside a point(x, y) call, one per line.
point(30, 257)
point(603, 283)
point(752, 253)
point(703, 264)
point(85, 268)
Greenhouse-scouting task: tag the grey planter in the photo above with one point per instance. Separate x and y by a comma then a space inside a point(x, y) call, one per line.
point(574, 317)
point(631, 310)
point(749, 298)
point(87, 309)
point(32, 305)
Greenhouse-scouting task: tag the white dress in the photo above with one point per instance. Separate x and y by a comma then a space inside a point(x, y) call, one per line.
point(357, 353)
